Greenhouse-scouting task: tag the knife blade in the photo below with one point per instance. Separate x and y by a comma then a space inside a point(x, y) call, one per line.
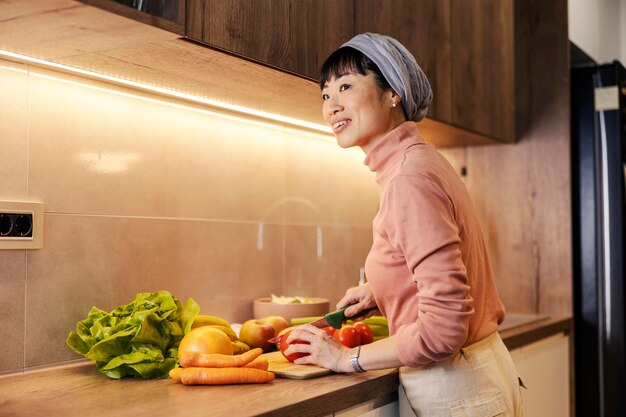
point(333, 319)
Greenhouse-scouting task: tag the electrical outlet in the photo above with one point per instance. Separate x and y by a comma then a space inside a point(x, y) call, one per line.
point(21, 225)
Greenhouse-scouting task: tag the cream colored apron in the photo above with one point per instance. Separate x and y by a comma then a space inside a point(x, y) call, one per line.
point(479, 381)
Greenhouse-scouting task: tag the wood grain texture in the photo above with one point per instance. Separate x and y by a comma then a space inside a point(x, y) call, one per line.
point(522, 195)
point(90, 38)
point(522, 191)
point(80, 390)
point(294, 35)
point(446, 135)
point(186, 67)
point(483, 67)
point(176, 24)
point(69, 28)
point(424, 28)
point(285, 369)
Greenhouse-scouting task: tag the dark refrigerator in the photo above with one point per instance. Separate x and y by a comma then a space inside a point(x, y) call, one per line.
point(598, 151)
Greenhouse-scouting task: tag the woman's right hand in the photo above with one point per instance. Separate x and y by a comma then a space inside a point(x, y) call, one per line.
point(362, 297)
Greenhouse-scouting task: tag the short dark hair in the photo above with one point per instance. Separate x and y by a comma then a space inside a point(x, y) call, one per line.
point(349, 60)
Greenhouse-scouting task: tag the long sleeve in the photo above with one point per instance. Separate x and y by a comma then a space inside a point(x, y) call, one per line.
point(423, 229)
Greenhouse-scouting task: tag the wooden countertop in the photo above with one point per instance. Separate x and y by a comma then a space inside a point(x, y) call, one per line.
point(79, 390)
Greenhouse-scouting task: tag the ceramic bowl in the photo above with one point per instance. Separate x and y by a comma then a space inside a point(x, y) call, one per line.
point(264, 307)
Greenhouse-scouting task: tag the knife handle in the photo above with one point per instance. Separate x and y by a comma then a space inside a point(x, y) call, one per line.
point(336, 318)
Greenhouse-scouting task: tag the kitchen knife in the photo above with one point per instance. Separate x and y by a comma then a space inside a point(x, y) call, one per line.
point(333, 319)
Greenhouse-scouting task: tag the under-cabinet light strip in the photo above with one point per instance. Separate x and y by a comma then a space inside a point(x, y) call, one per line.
point(238, 117)
point(170, 93)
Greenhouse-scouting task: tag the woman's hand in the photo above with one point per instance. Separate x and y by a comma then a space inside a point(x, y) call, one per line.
point(322, 349)
point(363, 298)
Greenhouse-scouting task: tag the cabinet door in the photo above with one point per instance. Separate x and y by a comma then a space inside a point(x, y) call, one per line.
point(483, 53)
point(544, 368)
point(294, 35)
point(424, 28)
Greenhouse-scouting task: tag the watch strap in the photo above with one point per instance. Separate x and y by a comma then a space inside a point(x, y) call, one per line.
point(354, 359)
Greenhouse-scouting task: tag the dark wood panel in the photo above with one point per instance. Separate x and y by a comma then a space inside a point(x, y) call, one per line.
point(194, 23)
point(294, 35)
point(424, 28)
point(317, 28)
point(483, 68)
point(541, 60)
point(256, 30)
point(168, 16)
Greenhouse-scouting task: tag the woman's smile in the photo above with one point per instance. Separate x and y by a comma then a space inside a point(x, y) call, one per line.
point(358, 111)
point(340, 125)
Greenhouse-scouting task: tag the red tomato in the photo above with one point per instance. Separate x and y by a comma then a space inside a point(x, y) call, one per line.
point(348, 336)
point(367, 335)
point(284, 346)
point(330, 330)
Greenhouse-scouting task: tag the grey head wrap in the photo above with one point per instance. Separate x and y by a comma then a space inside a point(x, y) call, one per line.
point(400, 70)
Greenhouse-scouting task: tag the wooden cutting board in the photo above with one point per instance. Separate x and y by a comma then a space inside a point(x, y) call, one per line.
point(285, 369)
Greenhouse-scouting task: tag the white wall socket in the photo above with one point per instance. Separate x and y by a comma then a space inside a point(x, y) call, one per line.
point(21, 225)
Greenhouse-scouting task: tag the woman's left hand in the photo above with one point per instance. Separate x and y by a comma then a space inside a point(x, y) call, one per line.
point(322, 349)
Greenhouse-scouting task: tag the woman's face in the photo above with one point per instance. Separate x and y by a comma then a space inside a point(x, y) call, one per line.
point(358, 111)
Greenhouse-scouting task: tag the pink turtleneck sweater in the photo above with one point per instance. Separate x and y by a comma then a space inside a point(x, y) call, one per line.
point(428, 266)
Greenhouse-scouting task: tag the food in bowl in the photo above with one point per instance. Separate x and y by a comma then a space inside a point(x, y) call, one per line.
point(293, 300)
point(290, 307)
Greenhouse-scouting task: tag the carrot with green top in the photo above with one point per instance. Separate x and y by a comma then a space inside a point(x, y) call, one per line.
point(222, 376)
point(218, 360)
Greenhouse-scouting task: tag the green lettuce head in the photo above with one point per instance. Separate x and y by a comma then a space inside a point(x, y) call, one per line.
point(139, 339)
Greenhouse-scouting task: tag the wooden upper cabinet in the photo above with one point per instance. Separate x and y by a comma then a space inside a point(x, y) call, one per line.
point(505, 55)
point(487, 60)
point(483, 67)
point(423, 27)
point(464, 47)
point(293, 35)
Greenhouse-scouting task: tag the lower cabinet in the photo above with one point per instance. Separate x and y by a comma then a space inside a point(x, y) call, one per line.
point(543, 366)
point(386, 406)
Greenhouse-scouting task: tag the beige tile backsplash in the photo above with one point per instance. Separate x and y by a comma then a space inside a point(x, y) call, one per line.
point(143, 193)
point(122, 155)
point(12, 287)
point(13, 130)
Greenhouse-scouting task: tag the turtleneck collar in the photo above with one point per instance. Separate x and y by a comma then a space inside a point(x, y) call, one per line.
point(390, 147)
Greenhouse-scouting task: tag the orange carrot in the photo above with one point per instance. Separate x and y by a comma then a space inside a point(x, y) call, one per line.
point(175, 373)
point(221, 376)
point(218, 360)
point(258, 363)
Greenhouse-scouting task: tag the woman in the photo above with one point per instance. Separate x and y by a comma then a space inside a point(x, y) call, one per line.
point(428, 270)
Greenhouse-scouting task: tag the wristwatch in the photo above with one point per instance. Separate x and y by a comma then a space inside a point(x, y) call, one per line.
point(354, 359)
